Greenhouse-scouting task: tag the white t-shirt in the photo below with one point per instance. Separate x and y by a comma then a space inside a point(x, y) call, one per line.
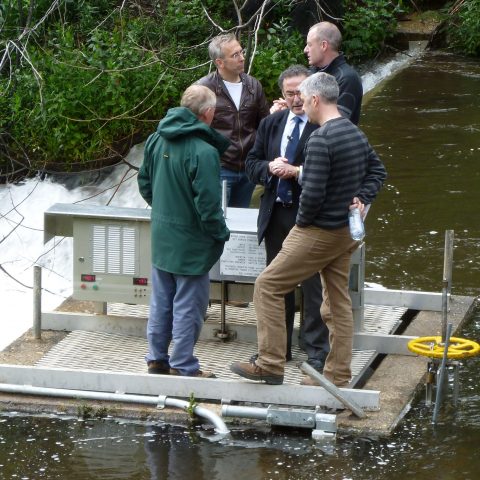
point(235, 91)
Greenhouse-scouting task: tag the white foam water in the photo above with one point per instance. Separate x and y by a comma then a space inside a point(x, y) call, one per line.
point(22, 208)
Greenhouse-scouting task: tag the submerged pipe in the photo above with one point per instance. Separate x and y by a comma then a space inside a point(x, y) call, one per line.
point(218, 423)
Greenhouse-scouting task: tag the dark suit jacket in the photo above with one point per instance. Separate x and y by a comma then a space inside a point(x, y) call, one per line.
point(266, 149)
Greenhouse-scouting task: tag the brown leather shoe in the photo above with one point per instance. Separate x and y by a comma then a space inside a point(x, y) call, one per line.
point(253, 372)
point(198, 373)
point(158, 367)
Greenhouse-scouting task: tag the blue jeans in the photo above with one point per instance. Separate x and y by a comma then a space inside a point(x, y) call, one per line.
point(177, 311)
point(239, 188)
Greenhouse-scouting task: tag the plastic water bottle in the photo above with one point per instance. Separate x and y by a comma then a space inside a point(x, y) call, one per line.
point(355, 222)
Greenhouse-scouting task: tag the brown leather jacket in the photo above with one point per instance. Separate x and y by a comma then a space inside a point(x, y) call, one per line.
point(240, 126)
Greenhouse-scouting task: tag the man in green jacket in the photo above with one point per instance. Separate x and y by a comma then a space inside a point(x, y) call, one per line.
point(180, 180)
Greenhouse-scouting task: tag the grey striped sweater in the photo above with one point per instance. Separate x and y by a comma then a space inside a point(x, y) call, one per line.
point(339, 164)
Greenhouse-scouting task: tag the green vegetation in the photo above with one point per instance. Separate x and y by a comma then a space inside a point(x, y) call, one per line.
point(367, 25)
point(192, 404)
point(463, 29)
point(81, 81)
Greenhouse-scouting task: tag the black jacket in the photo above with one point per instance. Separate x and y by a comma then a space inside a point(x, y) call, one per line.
point(266, 149)
point(350, 85)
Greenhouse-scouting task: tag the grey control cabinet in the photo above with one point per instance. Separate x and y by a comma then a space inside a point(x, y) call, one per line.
point(111, 253)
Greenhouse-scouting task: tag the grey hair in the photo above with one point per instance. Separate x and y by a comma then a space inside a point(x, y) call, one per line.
point(293, 71)
point(198, 99)
point(321, 84)
point(329, 32)
point(216, 44)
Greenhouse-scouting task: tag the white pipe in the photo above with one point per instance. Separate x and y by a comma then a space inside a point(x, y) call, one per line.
point(257, 413)
point(220, 426)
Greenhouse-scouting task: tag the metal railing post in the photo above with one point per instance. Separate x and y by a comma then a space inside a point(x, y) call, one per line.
point(37, 301)
point(447, 279)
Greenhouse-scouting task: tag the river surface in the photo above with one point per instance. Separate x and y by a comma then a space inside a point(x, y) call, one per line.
point(425, 124)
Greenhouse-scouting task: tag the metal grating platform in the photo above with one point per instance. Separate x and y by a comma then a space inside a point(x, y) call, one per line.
point(82, 350)
point(119, 353)
point(377, 319)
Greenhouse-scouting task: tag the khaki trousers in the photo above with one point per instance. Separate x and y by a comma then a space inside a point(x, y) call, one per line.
point(304, 252)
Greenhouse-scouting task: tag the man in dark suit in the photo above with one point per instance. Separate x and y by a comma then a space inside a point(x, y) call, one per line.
point(267, 164)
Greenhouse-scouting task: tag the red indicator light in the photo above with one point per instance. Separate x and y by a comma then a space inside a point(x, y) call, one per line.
point(87, 277)
point(140, 281)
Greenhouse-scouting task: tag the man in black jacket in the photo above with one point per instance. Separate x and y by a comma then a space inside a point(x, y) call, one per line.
point(341, 172)
point(323, 52)
point(267, 165)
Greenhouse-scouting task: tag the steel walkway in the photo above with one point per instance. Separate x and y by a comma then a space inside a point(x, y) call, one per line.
point(121, 353)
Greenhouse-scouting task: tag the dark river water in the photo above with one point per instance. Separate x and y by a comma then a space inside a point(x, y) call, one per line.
point(425, 124)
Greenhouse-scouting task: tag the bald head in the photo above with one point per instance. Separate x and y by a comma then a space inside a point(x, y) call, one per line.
point(323, 44)
point(329, 32)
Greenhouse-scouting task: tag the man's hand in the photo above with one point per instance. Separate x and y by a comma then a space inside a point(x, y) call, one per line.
point(356, 203)
point(278, 105)
point(282, 169)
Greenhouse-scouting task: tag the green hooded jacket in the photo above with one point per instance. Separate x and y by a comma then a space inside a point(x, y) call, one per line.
point(180, 179)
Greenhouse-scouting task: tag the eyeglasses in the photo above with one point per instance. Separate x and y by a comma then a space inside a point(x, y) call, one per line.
point(291, 94)
point(238, 54)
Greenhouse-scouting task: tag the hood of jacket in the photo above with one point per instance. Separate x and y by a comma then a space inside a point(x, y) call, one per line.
point(181, 122)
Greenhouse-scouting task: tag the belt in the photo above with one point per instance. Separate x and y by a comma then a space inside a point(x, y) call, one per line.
point(284, 204)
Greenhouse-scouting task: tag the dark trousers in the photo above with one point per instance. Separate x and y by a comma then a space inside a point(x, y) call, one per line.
point(314, 332)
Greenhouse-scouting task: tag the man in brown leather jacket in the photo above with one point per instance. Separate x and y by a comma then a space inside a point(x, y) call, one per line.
point(241, 104)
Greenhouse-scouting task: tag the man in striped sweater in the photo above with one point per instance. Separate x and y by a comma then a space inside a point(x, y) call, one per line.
point(341, 172)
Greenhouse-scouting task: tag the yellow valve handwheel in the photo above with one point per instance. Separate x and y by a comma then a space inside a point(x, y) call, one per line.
point(433, 347)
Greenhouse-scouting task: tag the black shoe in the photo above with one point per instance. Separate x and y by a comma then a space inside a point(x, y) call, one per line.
point(158, 367)
point(318, 365)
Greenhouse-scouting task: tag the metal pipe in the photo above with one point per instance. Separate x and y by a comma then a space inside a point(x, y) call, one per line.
point(448, 260)
point(332, 389)
point(438, 396)
point(218, 423)
point(37, 301)
point(223, 313)
point(244, 412)
point(447, 279)
point(223, 284)
point(224, 198)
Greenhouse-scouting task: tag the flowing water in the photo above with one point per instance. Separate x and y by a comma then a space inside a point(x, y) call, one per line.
point(424, 123)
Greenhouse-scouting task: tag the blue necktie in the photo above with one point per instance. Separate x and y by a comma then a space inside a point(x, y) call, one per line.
point(284, 190)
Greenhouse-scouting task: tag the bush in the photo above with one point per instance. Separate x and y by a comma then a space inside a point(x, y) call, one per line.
point(280, 48)
point(463, 30)
point(366, 26)
point(95, 91)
